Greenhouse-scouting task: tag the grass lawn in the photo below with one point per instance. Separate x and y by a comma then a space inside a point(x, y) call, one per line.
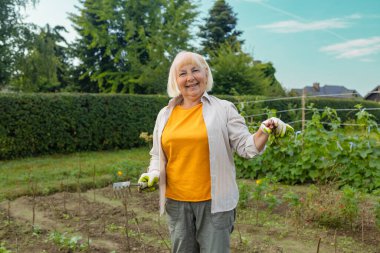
point(53, 172)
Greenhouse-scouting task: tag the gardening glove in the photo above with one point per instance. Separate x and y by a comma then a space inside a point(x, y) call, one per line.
point(150, 177)
point(276, 127)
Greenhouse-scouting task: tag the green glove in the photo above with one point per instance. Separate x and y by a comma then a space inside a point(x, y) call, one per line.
point(151, 178)
point(276, 127)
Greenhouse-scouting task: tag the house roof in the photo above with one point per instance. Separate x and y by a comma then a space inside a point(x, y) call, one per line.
point(332, 90)
point(377, 88)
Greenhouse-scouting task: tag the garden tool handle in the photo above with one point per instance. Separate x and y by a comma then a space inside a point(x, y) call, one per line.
point(143, 185)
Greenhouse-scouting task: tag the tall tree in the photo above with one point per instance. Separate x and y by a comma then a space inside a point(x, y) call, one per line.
point(234, 72)
point(219, 28)
point(272, 87)
point(43, 68)
point(11, 31)
point(126, 46)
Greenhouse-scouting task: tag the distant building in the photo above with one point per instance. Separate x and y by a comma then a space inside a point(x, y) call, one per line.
point(334, 91)
point(373, 95)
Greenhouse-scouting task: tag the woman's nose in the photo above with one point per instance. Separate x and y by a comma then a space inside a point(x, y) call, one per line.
point(190, 76)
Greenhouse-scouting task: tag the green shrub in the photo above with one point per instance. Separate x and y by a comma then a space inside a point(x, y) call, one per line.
point(34, 124)
point(349, 204)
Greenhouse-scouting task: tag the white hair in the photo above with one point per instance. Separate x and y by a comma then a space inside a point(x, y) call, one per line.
point(183, 58)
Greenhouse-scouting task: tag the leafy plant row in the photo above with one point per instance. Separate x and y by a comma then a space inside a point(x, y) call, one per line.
point(322, 153)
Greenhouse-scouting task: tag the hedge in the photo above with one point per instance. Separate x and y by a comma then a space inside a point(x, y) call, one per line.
point(34, 124)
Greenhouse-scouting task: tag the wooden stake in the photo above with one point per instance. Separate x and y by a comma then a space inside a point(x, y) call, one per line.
point(16, 243)
point(33, 186)
point(79, 195)
point(138, 230)
point(64, 196)
point(363, 214)
point(167, 246)
point(319, 243)
point(88, 235)
point(94, 182)
point(126, 221)
point(9, 213)
point(240, 237)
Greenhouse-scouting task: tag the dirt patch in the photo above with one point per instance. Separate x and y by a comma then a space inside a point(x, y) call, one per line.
point(98, 222)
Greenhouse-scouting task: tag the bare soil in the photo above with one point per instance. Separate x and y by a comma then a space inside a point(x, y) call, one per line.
point(105, 224)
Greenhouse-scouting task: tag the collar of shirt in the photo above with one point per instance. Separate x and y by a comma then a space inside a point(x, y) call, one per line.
point(178, 100)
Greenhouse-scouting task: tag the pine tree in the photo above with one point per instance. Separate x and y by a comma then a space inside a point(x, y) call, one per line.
point(219, 28)
point(87, 50)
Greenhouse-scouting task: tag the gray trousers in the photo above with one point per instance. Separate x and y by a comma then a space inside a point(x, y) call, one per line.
point(193, 228)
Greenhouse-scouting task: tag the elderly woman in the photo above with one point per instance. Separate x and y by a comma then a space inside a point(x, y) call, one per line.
point(194, 139)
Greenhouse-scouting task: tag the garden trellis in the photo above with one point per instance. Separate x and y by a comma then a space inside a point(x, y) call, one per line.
point(256, 110)
point(295, 97)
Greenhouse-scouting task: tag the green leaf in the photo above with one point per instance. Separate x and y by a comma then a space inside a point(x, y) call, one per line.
point(314, 174)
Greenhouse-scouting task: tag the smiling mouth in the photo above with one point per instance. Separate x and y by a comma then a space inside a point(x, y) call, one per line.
point(191, 85)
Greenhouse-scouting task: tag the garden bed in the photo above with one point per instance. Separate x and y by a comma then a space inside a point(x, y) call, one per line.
point(96, 221)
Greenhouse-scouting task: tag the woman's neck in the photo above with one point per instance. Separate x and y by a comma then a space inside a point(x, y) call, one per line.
point(188, 103)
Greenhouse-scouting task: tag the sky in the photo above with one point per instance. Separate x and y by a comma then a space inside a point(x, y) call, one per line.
point(332, 42)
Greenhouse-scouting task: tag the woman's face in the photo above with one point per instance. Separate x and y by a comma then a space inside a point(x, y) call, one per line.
point(192, 81)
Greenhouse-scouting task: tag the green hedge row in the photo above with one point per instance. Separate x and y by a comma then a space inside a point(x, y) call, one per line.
point(34, 124)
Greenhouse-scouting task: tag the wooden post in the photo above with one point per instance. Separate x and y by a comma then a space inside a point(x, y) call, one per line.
point(303, 108)
point(319, 244)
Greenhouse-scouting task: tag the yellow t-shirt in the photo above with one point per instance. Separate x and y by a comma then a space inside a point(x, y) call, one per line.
point(185, 143)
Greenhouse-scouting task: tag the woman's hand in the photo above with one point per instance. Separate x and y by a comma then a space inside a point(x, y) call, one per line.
point(276, 127)
point(151, 178)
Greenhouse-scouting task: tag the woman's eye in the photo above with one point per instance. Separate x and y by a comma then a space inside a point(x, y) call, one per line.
point(182, 74)
point(195, 70)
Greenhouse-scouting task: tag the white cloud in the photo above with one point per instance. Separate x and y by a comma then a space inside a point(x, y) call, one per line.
point(358, 48)
point(293, 26)
point(367, 60)
point(373, 16)
point(355, 16)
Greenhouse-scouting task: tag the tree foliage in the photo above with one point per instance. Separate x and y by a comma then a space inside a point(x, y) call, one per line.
point(219, 28)
point(126, 46)
point(236, 72)
point(272, 86)
point(12, 30)
point(43, 66)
